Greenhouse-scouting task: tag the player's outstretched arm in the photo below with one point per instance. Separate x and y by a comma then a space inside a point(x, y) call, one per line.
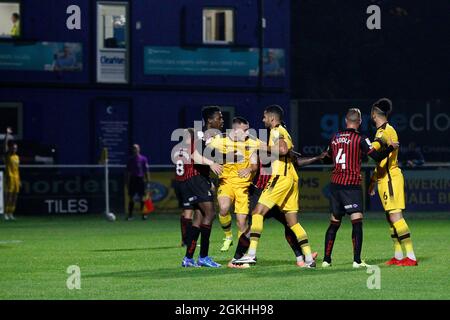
point(306, 161)
point(199, 159)
point(378, 156)
point(8, 137)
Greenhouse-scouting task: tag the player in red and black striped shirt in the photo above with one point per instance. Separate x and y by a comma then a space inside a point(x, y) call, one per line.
point(346, 150)
point(184, 170)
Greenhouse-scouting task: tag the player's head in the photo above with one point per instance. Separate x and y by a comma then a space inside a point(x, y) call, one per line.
point(15, 17)
point(273, 115)
point(353, 118)
point(13, 147)
point(136, 149)
point(240, 128)
point(381, 109)
point(212, 117)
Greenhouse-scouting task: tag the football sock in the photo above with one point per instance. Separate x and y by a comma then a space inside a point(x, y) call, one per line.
point(193, 235)
point(205, 230)
point(255, 233)
point(225, 222)
point(243, 244)
point(302, 239)
point(185, 226)
point(404, 236)
point(398, 252)
point(330, 237)
point(357, 239)
point(292, 241)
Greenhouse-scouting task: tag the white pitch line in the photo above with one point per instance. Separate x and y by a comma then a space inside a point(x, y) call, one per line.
point(10, 241)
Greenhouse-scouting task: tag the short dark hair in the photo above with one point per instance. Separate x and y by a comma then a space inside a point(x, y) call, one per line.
point(240, 120)
point(383, 106)
point(208, 112)
point(275, 109)
point(16, 15)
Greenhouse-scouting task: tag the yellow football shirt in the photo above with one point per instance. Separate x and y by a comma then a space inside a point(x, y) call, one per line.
point(388, 166)
point(242, 151)
point(12, 166)
point(282, 166)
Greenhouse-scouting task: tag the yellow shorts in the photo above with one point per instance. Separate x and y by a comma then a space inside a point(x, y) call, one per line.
point(238, 193)
point(13, 185)
point(392, 193)
point(281, 191)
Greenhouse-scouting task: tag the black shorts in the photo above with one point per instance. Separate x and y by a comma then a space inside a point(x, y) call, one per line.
point(136, 186)
point(198, 189)
point(183, 195)
point(345, 200)
point(275, 212)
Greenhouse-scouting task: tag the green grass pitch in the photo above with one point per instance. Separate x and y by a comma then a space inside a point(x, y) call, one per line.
point(141, 260)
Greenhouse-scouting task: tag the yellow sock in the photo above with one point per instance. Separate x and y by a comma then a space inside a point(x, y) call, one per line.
point(239, 233)
point(255, 233)
point(398, 252)
point(225, 222)
point(404, 236)
point(302, 239)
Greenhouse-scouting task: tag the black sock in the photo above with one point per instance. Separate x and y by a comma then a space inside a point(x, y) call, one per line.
point(183, 229)
point(130, 208)
point(186, 225)
point(330, 237)
point(243, 245)
point(205, 230)
point(291, 238)
point(357, 239)
point(193, 234)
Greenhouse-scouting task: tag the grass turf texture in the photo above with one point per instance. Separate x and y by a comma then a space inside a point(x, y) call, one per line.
point(141, 260)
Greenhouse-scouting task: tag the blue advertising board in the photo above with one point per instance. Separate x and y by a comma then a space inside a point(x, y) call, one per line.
point(41, 56)
point(212, 61)
point(112, 129)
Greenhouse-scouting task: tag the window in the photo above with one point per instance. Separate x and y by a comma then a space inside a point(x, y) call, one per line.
point(112, 42)
point(10, 23)
point(11, 116)
point(218, 26)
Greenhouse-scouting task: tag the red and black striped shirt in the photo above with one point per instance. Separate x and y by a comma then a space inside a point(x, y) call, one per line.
point(263, 176)
point(346, 149)
point(184, 164)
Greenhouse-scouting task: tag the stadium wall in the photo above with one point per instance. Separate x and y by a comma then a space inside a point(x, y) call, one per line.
point(57, 106)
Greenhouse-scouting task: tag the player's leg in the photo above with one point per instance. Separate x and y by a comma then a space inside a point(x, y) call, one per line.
point(301, 237)
point(192, 237)
point(14, 196)
point(225, 200)
point(393, 199)
point(8, 197)
point(398, 251)
point(131, 193)
point(404, 236)
point(208, 215)
point(241, 207)
point(288, 234)
point(290, 208)
point(330, 238)
point(186, 224)
point(357, 239)
point(242, 223)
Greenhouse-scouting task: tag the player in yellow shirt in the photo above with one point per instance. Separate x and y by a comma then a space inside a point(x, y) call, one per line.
point(239, 150)
point(388, 178)
point(12, 176)
point(281, 190)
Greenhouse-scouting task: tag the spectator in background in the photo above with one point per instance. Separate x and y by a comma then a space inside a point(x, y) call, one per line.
point(413, 156)
point(15, 19)
point(137, 178)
